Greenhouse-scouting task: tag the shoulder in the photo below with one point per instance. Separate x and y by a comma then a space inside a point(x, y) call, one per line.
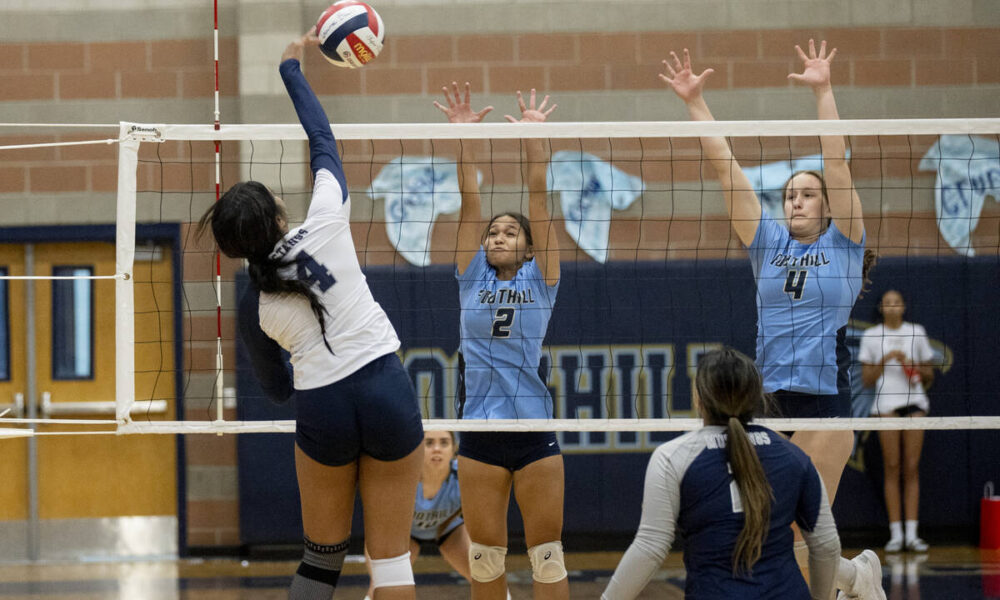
point(327, 185)
point(918, 329)
point(679, 452)
point(768, 230)
point(872, 332)
point(478, 270)
point(838, 239)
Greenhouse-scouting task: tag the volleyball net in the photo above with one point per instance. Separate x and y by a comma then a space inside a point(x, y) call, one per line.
point(652, 275)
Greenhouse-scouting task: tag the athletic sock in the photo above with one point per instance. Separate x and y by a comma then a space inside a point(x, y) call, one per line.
point(911, 529)
point(896, 530)
point(847, 573)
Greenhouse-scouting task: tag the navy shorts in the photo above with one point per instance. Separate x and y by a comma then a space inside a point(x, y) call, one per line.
point(511, 450)
point(796, 405)
point(373, 410)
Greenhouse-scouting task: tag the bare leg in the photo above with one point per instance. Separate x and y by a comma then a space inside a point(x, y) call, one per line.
point(913, 443)
point(327, 498)
point(455, 550)
point(485, 496)
point(539, 489)
point(388, 493)
point(891, 465)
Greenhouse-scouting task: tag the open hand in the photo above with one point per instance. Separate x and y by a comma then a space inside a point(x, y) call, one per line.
point(459, 110)
point(682, 79)
point(295, 49)
point(530, 114)
point(815, 67)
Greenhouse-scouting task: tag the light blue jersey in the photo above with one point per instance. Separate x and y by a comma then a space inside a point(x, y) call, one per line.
point(431, 515)
point(805, 293)
point(503, 324)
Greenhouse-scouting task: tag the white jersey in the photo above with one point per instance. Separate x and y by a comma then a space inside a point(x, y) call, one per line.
point(321, 252)
point(895, 389)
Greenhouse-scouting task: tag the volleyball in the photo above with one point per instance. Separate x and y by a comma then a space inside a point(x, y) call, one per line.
point(350, 34)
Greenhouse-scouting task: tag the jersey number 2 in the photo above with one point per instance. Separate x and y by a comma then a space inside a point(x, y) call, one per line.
point(312, 272)
point(502, 321)
point(795, 283)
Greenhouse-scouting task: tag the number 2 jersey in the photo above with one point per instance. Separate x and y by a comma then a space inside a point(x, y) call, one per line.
point(805, 293)
point(321, 253)
point(689, 489)
point(503, 324)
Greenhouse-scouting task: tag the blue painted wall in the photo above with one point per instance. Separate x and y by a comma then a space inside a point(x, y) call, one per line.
point(610, 320)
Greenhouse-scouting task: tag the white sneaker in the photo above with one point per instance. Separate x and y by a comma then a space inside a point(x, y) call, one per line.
point(916, 545)
point(868, 581)
point(894, 545)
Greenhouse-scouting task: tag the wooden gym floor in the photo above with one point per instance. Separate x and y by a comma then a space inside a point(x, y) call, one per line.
point(945, 573)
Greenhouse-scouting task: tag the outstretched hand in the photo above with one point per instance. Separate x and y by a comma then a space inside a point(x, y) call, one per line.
point(295, 49)
point(459, 110)
point(530, 114)
point(682, 79)
point(815, 67)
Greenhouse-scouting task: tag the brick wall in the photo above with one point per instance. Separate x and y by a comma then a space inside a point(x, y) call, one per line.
point(908, 57)
point(880, 71)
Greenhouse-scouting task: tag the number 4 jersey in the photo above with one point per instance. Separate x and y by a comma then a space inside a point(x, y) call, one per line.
point(805, 293)
point(321, 253)
point(503, 324)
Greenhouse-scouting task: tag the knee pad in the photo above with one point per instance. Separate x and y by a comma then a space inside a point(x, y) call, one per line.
point(486, 563)
point(390, 572)
point(547, 564)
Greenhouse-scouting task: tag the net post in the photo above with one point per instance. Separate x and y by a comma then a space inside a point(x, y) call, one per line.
point(128, 164)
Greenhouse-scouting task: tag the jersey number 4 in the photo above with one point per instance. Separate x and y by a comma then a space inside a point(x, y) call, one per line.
point(795, 283)
point(312, 272)
point(502, 321)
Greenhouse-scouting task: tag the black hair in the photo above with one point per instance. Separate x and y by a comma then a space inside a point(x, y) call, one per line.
point(245, 224)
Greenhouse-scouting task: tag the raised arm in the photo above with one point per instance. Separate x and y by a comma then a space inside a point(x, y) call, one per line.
point(470, 219)
point(545, 243)
point(742, 203)
point(845, 204)
point(322, 146)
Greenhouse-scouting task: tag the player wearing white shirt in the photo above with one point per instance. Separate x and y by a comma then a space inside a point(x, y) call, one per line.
point(357, 420)
point(896, 358)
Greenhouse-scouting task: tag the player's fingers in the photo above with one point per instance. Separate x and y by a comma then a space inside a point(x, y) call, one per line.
point(801, 53)
point(510, 118)
point(829, 57)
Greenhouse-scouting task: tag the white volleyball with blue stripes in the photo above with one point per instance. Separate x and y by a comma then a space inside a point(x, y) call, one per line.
point(350, 34)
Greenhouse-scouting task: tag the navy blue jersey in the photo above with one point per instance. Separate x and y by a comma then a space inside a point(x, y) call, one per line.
point(689, 489)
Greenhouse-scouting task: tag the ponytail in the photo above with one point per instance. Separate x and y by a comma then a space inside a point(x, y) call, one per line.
point(755, 493)
point(264, 274)
point(245, 224)
point(871, 258)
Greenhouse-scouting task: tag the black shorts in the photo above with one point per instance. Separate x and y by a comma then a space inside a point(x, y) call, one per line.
point(373, 410)
point(510, 450)
point(908, 410)
point(796, 405)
